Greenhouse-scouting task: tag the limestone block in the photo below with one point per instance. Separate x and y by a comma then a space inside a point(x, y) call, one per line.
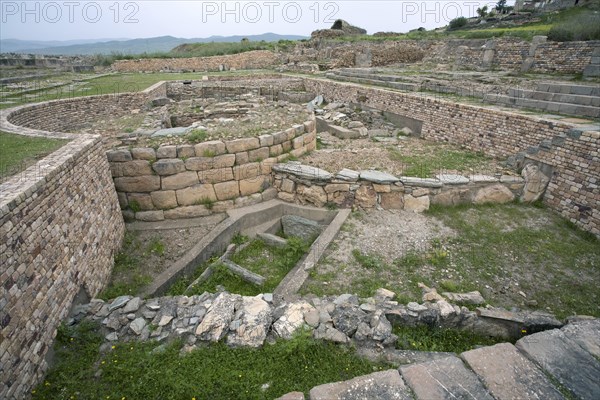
point(239, 145)
point(179, 181)
point(195, 194)
point(227, 190)
point(168, 166)
point(136, 184)
point(210, 149)
point(497, 193)
point(216, 175)
point(251, 185)
point(164, 200)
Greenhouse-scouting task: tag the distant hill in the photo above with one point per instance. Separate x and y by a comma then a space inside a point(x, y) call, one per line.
point(124, 46)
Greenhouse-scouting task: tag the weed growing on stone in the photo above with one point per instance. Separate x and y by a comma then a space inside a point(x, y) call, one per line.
point(423, 338)
point(84, 370)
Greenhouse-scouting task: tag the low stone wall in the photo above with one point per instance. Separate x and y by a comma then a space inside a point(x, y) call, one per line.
point(250, 60)
point(60, 225)
point(370, 189)
point(266, 85)
point(505, 53)
point(187, 181)
point(570, 154)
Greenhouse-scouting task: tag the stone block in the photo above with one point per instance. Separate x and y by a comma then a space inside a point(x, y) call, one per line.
point(251, 186)
point(416, 204)
point(378, 385)
point(216, 175)
point(508, 374)
point(136, 168)
point(258, 154)
point(382, 188)
point(365, 197)
point(137, 184)
point(265, 140)
point(166, 152)
point(246, 171)
point(312, 194)
point(150, 216)
point(143, 153)
point(168, 166)
point(187, 212)
point(227, 190)
point(195, 194)
point(164, 200)
point(179, 181)
point(142, 200)
point(337, 187)
point(239, 145)
point(497, 194)
point(185, 151)
point(392, 201)
point(242, 158)
point(210, 149)
point(119, 155)
point(275, 150)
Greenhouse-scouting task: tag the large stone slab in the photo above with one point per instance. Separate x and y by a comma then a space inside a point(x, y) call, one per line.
point(443, 379)
point(378, 177)
point(564, 359)
point(508, 374)
point(452, 179)
point(586, 334)
point(303, 171)
point(378, 385)
point(172, 132)
point(420, 182)
point(348, 175)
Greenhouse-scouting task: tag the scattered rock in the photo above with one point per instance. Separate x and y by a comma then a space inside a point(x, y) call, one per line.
point(137, 325)
point(474, 298)
point(255, 317)
point(216, 322)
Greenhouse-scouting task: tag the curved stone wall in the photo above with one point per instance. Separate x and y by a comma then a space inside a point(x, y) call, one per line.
point(188, 181)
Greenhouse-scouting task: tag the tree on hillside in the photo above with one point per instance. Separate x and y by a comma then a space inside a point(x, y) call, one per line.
point(482, 11)
point(501, 6)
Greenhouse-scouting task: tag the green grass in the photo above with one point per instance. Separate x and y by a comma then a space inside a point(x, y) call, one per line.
point(423, 338)
point(19, 152)
point(435, 160)
point(271, 262)
point(499, 250)
point(130, 273)
point(135, 371)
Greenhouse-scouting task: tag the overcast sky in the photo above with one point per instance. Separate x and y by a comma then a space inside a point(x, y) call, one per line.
point(69, 19)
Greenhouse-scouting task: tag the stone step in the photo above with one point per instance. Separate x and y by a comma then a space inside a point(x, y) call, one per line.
point(447, 378)
point(566, 360)
point(549, 106)
point(582, 100)
point(373, 79)
point(378, 385)
point(565, 88)
point(586, 334)
point(508, 374)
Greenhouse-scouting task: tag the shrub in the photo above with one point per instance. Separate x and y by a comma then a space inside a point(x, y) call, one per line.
point(583, 28)
point(457, 23)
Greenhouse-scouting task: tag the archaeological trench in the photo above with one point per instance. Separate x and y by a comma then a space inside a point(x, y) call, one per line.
point(63, 220)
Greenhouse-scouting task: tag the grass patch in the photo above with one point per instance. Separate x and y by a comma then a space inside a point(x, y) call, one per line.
point(135, 371)
point(197, 136)
point(129, 274)
point(423, 338)
point(18, 152)
point(435, 160)
point(271, 262)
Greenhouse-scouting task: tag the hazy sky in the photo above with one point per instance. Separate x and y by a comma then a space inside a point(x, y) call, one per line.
point(66, 20)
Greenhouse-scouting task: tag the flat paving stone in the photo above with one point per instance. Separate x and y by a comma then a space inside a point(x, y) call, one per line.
point(421, 182)
point(586, 334)
point(348, 175)
point(378, 177)
point(384, 385)
point(508, 374)
point(447, 378)
point(452, 179)
point(483, 178)
point(564, 359)
point(303, 171)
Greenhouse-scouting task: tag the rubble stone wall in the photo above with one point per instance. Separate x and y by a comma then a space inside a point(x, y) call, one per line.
point(60, 225)
point(250, 60)
point(572, 155)
point(188, 181)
